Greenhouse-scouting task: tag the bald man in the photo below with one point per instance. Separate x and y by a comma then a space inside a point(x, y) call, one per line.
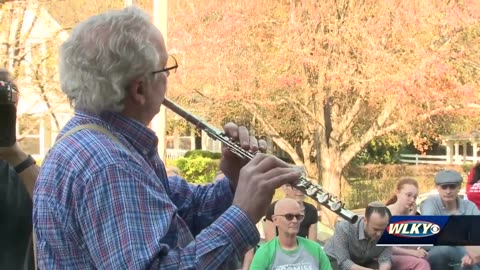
point(287, 250)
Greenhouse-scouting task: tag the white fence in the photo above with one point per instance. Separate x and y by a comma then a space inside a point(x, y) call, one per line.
point(175, 153)
point(437, 159)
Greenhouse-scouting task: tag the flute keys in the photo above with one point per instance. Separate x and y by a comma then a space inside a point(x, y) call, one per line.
point(323, 197)
point(337, 206)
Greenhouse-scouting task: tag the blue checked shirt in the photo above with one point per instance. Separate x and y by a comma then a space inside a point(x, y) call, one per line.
point(98, 205)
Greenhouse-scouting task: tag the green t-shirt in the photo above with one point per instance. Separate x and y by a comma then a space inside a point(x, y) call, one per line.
point(308, 255)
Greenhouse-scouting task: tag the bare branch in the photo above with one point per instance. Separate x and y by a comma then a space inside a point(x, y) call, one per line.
point(372, 132)
point(346, 122)
point(276, 137)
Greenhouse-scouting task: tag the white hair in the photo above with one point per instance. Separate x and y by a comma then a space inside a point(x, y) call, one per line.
point(103, 55)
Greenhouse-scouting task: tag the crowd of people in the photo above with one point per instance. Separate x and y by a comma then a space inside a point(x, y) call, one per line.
point(103, 199)
point(354, 246)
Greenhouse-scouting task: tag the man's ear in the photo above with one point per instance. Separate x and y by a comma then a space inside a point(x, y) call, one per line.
point(136, 91)
point(274, 219)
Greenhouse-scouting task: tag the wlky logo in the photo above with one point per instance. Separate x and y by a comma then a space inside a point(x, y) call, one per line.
point(413, 228)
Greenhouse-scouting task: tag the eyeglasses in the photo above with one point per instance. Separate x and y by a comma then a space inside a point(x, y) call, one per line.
point(449, 186)
point(172, 64)
point(290, 217)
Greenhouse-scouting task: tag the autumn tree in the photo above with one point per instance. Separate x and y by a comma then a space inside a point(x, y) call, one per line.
point(32, 32)
point(28, 41)
point(323, 78)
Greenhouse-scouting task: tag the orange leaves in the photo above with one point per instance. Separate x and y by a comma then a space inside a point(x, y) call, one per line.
point(360, 69)
point(290, 82)
point(424, 142)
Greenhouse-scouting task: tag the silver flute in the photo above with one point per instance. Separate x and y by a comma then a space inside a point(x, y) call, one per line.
point(316, 192)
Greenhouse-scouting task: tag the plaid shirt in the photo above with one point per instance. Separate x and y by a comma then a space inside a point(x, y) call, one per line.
point(350, 245)
point(97, 205)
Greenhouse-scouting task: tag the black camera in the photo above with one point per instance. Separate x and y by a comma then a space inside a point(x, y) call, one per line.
point(8, 114)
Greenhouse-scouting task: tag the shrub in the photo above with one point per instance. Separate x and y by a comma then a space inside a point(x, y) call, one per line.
point(381, 150)
point(197, 170)
point(202, 153)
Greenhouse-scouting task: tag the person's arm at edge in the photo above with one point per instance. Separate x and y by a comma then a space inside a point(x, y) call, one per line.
point(14, 157)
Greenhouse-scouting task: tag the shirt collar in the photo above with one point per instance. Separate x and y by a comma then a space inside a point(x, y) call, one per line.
point(460, 207)
point(142, 138)
point(361, 229)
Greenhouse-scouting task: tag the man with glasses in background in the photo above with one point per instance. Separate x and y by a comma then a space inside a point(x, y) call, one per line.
point(288, 250)
point(308, 226)
point(354, 246)
point(103, 199)
point(446, 203)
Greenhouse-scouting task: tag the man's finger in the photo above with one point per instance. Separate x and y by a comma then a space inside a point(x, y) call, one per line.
point(231, 130)
point(253, 144)
point(278, 177)
point(244, 137)
point(262, 146)
point(269, 162)
point(257, 159)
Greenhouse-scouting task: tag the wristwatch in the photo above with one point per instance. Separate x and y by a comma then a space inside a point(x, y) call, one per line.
point(29, 161)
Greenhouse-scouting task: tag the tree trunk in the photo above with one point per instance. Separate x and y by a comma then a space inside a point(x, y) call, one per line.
point(331, 176)
point(312, 171)
point(310, 167)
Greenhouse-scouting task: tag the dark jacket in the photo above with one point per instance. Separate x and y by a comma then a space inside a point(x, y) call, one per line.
point(16, 249)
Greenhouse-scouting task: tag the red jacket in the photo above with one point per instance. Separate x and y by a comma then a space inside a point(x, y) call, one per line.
point(473, 185)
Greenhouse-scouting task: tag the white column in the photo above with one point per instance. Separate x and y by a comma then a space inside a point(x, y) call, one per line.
point(474, 152)
point(204, 140)
point(464, 150)
point(449, 153)
point(457, 153)
point(192, 139)
point(176, 139)
point(159, 122)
